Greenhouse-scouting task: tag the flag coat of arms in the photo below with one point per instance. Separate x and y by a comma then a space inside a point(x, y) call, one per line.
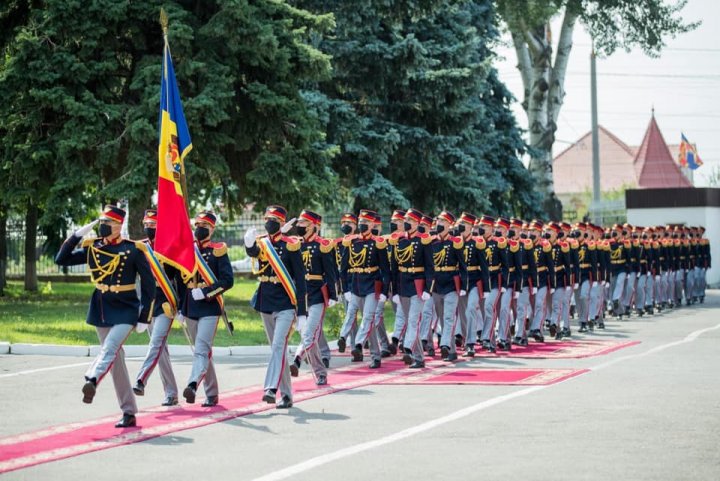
point(174, 242)
point(688, 156)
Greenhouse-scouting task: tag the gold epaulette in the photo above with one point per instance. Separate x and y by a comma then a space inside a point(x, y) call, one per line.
point(480, 243)
point(220, 249)
point(574, 244)
point(292, 244)
point(326, 245)
point(564, 246)
point(627, 243)
point(140, 245)
point(501, 242)
point(380, 242)
point(527, 244)
point(457, 242)
point(546, 246)
point(591, 245)
point(425, 239)
point(514, 245)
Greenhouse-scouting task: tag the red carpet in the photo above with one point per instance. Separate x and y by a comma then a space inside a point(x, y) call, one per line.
point(59, 442)
point(519, 377)
point(551, 349)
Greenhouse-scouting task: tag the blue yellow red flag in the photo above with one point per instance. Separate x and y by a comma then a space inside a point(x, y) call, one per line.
point(174, 242)
point(688, 156)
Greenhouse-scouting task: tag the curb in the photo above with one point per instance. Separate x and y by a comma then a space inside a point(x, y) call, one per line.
point(132, 350)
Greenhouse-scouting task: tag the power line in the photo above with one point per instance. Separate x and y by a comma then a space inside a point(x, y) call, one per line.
point(669, 49)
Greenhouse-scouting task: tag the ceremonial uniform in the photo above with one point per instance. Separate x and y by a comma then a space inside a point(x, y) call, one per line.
point(412, 274)
point(497, 260)
point(528, 287)
point(478, 282)
point(449, 276)
point(588, 277)
point(115, 306)
point(643, 291)
point(619, 255)
point(514, 253)
point(366, 270)
point(201, 307)
point(545, 266)
point(279, 267)
point(318, 257)
point(162, 319)
point(348, 330)
point(563, 281)
point(633, 271)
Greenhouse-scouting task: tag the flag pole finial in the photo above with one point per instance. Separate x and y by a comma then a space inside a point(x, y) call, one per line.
point(164, 21)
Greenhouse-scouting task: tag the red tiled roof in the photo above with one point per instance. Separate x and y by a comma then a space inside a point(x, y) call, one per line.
point(654, 165)
point(572, 168)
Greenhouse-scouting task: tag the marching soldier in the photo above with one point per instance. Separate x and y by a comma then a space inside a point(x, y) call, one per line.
point(115, 306)
point(497, 259)
point(528, 279)
point(514, 257)
point(380, 329)
point(280, 296)
point(366, 270)
point(449, 278)
point(348, 227)
point(632, 265)
point(397, 231)
point(318, 257)
point(428, 323)
point(619, 255)
point(571, 239)
point(478, 280)
point(202, 308)
point(597, 292)
point(681, 264)
point(162, 319)
point(588, 278)
point(545, 266)
point(563, 289)
point(705, 263)
point(643, 291)
point(412, 273)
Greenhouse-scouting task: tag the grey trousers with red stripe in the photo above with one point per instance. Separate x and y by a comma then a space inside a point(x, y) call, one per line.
point(309, 334)
point(277, 328)
point(112, 358)
point(202, 333)
point(158, 355)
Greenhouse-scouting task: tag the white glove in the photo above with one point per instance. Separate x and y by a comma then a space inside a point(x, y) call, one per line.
point(425, 296)
point(288, 225)
point(502, 291)
point(382, 298)
point(485, 294)
point(331, 302)
point(396, 299)
point(607, 284)
point(534, 291)
point(462, 293)
point(637, 275)
point(568, 288)
point(141, 327)
point(516, 294)
point(302, 320)
point(552, 290)
point(250, 236)
point(180, 318)
point(347, 296)
point(197, 294)
point(657, 278)
point(85, 230)
point(576, 285)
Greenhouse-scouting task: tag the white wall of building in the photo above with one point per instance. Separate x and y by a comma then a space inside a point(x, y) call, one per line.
point(708, 217)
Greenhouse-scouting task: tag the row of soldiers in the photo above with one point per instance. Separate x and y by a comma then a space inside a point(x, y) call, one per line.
point(470, 280)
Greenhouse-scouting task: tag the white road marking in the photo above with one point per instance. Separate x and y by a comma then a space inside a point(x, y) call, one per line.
point(420, 428)
point(43, 369)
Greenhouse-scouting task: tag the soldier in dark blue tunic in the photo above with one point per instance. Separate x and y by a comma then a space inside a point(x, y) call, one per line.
point(115, 307)
point(272, 299)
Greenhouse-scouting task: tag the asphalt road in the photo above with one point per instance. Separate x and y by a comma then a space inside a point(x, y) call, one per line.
point(647, 412)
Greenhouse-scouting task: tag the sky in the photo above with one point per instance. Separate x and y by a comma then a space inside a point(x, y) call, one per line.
point(683, 85)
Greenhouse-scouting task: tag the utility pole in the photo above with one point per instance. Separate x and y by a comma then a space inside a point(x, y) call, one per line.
point(595, 210)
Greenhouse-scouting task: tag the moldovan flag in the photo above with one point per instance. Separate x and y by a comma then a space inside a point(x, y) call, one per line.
point(688, 156)
point(174, 242)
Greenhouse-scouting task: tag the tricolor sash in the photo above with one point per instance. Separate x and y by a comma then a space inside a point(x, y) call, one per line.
point(207, 275)
point(277, 265)
point(162, 280)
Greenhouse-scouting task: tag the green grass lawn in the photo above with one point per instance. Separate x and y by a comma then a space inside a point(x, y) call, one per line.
point(56, 315)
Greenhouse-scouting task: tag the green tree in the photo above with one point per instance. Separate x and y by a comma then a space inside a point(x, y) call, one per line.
point(417, 110)
point(612, 24)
